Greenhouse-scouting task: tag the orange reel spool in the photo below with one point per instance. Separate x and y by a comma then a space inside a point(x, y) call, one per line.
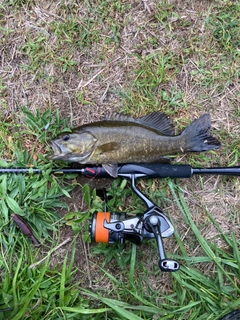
point(101, 233)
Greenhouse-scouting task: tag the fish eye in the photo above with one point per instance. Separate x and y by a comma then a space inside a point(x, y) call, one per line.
point(66, 137)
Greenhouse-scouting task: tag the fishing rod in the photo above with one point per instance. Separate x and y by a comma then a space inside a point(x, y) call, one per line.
point(118, 227)
point(140, 170)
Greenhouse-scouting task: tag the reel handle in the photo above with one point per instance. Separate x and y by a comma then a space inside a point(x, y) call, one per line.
point(167, 265)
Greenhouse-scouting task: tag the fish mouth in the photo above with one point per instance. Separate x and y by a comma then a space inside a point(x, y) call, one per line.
point(58, 152)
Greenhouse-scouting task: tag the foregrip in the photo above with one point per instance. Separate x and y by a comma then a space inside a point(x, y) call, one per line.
point(157, 170)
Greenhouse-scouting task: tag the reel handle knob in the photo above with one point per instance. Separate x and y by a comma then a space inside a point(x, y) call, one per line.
point(166, 265)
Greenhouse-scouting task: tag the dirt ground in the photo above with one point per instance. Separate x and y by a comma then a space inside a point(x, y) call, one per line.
point(91, 89)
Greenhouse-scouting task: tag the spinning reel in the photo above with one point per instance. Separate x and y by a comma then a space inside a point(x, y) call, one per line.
point(115, 227)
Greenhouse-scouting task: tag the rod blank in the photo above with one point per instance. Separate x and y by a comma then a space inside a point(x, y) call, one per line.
point(220, 171)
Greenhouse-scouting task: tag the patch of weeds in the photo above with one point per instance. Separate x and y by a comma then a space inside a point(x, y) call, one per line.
point(37, 52)
point(107, 8)
point(113, 253)
point(203, 75)
point(203, 159)
point(225, 25)
point(114, 35)
point(109, 13)
point(162, 13)
point(19, 3)
point(143, 309)
point(77, 220)
point(6, 34)
point(154, 189)
point(232, 158)
point(67, 63)
point(3, 103)
point(217, 294)
point(180, 23)
point(173, 99)
point(80, 35)
point(81, 97)
point(3, 89)
point(213, 72)
point(43, 291)
point(41, 55)
point(146, 92)
point(122, 199)
point(44, 126)
point(6, 139)
point(98, 24)
point(100, 21)
point(35, 197)
point(3, 95)
point(151, 72)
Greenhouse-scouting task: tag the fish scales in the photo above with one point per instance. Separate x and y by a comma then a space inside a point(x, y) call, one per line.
point(134, 143)
point(121, 139)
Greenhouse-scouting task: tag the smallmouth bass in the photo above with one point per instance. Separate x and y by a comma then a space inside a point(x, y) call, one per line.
point(122, 139)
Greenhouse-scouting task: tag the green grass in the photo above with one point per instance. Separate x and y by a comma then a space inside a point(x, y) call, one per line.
point(220, 291)
point(146, 94)
point(225, 25)
point(30, 196)
point(42, 292)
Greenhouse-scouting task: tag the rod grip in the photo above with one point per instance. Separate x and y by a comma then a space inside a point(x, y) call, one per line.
point(157, 170)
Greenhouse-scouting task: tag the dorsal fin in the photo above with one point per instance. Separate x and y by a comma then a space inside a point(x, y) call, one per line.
point(158, 121)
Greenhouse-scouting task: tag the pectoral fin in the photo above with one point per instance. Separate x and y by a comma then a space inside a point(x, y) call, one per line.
point(107, 147)
point(112, 169)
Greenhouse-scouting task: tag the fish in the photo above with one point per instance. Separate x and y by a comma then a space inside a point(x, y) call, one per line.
point(121, 139)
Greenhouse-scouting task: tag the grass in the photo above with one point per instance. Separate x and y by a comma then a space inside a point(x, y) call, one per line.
point(145, 96)
point(226, 26)
point(67, 63)
point(222, 287)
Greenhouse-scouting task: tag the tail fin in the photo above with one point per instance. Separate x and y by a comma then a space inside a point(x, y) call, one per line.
point(198, 137)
